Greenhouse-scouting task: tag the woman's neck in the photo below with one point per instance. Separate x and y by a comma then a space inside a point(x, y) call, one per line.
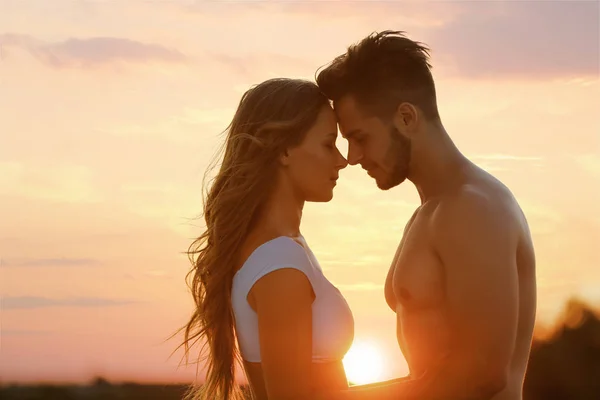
point(280, 215)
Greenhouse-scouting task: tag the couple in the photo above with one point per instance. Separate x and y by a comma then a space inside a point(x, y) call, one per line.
point(462, 282)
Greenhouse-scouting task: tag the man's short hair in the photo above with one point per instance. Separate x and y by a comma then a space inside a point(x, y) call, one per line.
point(380, 72)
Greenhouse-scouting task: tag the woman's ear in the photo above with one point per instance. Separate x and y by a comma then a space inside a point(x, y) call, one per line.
point(406, 119)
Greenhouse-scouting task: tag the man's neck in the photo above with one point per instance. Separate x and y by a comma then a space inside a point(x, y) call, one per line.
point(437, 165)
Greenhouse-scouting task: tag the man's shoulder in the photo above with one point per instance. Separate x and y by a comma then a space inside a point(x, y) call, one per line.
point(472, 203)
point(466, 197)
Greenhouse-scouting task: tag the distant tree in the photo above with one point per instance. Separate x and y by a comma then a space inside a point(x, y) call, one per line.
point(566, 364)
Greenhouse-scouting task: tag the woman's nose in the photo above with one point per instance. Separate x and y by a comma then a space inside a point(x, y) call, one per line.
point(341, 162)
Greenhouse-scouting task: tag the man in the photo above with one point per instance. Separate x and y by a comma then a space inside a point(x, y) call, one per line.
point(462, 282)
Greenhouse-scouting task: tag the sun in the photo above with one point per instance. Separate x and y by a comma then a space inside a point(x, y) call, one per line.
point(363, 363)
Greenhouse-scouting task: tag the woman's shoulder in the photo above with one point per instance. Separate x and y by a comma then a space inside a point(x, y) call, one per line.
point(275, 254)
point(282, 249)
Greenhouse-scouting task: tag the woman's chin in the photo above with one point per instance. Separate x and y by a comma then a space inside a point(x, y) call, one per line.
point(322, 197)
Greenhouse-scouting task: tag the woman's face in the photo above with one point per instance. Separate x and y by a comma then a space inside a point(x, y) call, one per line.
point(313, 166)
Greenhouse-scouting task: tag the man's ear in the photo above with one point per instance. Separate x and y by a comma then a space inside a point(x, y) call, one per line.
point(284, 158)
point(406, 119)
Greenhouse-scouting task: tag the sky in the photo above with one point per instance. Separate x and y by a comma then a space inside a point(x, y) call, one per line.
point(110, 112)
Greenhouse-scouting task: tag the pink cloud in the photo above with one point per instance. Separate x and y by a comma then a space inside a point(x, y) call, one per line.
point(31, 302)
point(91, 52)
point(51, 262)
point(522, 40)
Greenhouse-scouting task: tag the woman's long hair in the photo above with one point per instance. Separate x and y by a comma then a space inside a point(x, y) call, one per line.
point(271, 117)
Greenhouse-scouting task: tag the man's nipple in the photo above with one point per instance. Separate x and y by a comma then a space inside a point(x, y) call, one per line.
point(405, 295)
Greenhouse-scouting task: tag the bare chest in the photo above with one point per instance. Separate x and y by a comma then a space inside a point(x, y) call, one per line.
point(416, 279)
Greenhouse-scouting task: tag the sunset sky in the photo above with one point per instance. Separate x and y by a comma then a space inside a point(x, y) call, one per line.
point(111, 110)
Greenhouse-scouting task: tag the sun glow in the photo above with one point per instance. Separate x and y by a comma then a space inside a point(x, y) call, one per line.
point(363, 363)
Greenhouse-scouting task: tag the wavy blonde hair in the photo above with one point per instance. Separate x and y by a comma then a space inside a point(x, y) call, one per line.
point(271, 117)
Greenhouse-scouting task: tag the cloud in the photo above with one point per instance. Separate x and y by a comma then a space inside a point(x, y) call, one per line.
point(14, 332)
point(157, 273)
point(180, 127)
point(31, 302)
point(477, 39)
point(589, 163)
point(52, 262)
point(404, 13)
point(262, 64)
point(152, 274)
point(499, 162)
point(58, 182)
point(505, 157)
point(91, 52)
point(355, 262)
point(523, 39)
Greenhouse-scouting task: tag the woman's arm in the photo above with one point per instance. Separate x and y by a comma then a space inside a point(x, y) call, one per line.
point(283, 300)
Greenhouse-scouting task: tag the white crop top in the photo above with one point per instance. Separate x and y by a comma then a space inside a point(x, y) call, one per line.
point(333, 323)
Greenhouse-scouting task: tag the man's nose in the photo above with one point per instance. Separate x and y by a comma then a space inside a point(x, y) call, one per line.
point(354, 155)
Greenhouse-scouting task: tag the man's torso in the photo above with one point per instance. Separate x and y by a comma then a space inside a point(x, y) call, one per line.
point(415, 288)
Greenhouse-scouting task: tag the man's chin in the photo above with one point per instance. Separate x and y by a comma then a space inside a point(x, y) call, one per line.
point(387, 184)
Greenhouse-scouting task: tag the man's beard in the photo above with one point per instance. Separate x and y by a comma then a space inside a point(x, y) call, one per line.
point(398, 155)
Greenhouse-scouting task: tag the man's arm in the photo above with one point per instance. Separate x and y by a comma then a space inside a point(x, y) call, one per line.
point(387, 390)
point(476, 241)
point(477, 249)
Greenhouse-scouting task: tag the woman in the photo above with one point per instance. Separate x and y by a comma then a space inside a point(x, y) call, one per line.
point(255, 280)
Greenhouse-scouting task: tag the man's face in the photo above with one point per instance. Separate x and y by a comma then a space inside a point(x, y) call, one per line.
point(374, 144)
